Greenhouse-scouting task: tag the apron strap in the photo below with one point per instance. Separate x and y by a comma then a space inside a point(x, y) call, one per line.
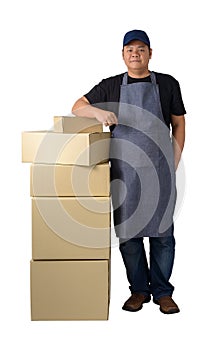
point(152, 75)
point(125, 79)
point(153, 78)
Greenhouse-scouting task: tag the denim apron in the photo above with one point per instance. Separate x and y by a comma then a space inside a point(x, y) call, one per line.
point(142, 164)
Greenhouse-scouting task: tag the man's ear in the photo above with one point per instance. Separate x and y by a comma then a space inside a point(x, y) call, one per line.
point(150, 53)
point(123, 54)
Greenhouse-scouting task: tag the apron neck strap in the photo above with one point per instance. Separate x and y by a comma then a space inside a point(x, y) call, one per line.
point(153, 78)
point(125, 79)
point(152, 75)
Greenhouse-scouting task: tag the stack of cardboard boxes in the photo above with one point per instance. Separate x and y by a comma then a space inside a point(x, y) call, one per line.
point(70, 190)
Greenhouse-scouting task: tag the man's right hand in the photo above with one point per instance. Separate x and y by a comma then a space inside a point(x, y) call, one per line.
point(105, 117)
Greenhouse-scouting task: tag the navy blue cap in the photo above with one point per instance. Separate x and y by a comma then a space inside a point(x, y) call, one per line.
point(136, 35)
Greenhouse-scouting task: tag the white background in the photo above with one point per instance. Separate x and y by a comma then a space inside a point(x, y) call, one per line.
point(52, 52)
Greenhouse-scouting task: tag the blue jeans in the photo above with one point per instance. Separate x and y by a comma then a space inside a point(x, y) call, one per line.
point(155, 280)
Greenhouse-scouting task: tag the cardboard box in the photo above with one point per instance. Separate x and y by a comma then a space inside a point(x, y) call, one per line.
point(70, 228)
point(57, 148)
point(76, 125)
point(70, 290)
point(70, 180)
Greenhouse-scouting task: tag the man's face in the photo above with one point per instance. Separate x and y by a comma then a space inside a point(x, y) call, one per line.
point(136, 55)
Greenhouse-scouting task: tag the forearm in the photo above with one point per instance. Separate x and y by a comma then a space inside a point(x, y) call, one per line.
point(178, 140)
point(82, 108)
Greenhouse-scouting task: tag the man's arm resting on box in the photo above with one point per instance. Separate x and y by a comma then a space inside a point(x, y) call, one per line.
point(83, 108)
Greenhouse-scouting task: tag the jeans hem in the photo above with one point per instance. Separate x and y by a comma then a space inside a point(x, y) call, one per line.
point(162, 295)
point(146, 294)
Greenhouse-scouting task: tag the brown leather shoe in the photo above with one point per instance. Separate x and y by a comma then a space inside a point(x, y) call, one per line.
point(167, 305)
point(135, 302)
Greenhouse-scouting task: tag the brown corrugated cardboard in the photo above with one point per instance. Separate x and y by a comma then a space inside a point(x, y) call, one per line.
point(74, 125)
point(59, 148)
point(70, 228)
point(70, 290)
point(69, 180)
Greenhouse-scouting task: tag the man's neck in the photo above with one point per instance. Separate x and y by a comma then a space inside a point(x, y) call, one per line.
point(137, 74)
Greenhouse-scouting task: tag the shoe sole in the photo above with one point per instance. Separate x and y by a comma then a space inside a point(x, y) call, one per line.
point(170, 312)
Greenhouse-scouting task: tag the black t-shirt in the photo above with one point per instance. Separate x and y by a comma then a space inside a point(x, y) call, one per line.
point(108, 90)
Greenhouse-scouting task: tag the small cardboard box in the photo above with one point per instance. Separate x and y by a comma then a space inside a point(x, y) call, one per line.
point(70, 228)
point(70, 290)
point(49, 147)
point(76, 125)
point(69, 180)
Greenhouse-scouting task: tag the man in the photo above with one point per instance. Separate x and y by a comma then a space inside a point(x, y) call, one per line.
point(145, 158)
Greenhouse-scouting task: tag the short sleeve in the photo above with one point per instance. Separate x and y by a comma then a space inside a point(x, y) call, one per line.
point(97, 94)
point(177, 105)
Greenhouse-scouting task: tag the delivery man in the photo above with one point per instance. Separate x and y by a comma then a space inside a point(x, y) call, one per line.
point(148, 132)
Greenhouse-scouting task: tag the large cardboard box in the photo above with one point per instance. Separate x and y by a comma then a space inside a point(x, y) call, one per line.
point(59, 148)
point(73, 124)
point(70, 180)
point(70, 228)
point(70, 290)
